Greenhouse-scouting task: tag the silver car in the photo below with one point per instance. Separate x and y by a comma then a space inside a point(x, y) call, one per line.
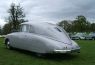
point(41, 38)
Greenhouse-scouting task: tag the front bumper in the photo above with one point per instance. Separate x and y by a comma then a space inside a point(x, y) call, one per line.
point(67, 51)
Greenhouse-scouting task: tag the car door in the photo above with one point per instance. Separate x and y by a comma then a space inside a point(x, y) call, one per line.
point(22, 37)
point(27, 39)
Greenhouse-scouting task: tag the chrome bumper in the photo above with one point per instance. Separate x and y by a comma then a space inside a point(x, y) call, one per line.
point(67, 51)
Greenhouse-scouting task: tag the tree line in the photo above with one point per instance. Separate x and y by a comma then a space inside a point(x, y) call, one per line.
point(80, 24)
point(15, 18)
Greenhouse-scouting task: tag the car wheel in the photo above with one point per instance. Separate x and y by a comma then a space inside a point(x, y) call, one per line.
point(8, 45)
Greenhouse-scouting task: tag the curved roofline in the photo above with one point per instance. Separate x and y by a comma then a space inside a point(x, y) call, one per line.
point(37, 23)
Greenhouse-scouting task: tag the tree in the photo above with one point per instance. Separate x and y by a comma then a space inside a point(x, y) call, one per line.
point(15, 18)
point(88, 27)
point(61, 24)
point(65, 24)
point(80, 24)
point(0, 30)
point(7, 28)
point(92, 27)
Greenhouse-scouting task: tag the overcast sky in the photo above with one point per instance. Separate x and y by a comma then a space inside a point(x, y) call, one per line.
point(51, 10)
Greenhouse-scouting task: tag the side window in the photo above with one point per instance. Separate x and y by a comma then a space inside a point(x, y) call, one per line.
point(31, 29)
point(58, 29)
point(25, 28)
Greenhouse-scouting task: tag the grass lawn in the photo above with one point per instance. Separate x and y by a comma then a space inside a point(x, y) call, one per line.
point(18, 57)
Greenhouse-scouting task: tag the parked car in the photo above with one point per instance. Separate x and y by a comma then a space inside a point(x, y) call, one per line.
point(41, 38)
point(78, 36)
point(74, 37)
point(2, 36)
point(91, 36)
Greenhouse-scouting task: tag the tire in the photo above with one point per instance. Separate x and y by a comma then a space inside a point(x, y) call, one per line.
point(8, 45)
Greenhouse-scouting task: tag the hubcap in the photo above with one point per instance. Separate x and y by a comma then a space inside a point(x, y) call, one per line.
point(8, 45)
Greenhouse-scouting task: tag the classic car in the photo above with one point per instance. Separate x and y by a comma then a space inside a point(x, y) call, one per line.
point(78, 36)
point(41, 38)
point(91, 36)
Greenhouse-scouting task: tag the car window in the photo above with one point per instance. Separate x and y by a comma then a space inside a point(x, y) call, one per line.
point(58, 29)
point(25, 28)
point(31, 29)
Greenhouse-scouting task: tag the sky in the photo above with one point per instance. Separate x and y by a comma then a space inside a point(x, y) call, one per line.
point(50, 10)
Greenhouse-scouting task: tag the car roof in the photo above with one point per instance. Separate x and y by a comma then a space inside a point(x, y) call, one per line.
point(39, 24)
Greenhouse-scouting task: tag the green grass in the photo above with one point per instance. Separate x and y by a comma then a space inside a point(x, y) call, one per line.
point(19, 57)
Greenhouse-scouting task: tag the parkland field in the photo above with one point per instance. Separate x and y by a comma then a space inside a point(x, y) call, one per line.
point(20, 57)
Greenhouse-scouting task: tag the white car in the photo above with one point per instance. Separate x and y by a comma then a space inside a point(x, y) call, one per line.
point(78, 36)
point(41, 38)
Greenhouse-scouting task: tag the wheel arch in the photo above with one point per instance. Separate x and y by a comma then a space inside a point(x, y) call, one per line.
point(6, 40)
